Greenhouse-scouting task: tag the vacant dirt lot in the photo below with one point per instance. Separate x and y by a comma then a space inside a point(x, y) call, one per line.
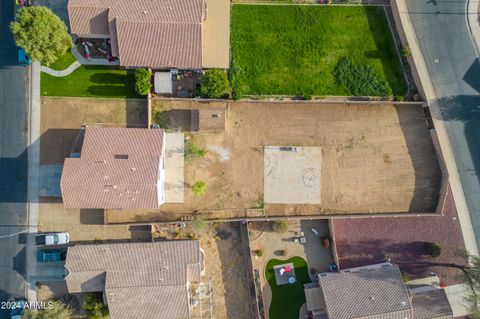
point(376, 158)
point(61, 119)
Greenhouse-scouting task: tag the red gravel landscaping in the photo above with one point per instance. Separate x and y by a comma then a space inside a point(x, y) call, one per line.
point(363, 241)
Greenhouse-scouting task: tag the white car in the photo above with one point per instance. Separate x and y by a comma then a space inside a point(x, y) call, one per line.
point(52, 239)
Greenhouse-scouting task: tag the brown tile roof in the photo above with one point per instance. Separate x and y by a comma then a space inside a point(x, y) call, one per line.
point(151, 33)
point(117, 168)
point(139, 279)
point(431, 304)
point(375, 291)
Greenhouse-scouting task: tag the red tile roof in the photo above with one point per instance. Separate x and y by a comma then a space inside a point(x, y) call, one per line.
point(145, 33)
point(118, 168)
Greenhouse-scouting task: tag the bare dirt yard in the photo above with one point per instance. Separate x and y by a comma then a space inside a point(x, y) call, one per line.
point(376, 158)
point(62, 117)
point(225, 270)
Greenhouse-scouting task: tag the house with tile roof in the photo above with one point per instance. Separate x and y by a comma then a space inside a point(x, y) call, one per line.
point(138, 280)
point(160, 34)
point(375, 291)
point(116, 168)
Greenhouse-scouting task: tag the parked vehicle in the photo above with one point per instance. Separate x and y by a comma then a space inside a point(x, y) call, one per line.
point(51, 255)
point(23, 59)
point(52, 239)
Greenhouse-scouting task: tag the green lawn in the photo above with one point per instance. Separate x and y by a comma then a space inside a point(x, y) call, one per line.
point(294, 49)
point(287, 299)
point(93, 81)
point(63, 62)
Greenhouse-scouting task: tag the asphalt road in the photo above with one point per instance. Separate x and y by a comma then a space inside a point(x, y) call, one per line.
point(452, 63)
point(13, 161)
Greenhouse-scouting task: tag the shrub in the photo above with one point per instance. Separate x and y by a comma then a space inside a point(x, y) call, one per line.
point(41, 33)
point(280, 226)
point(95, 307)
point(57, 310)
point(192, 150)
point(399, 98)
point(405, 275)
point(405, 52)
point(143, 84)
point(259, 253)
point(215, 84)
point(360, 79)
point(199, 222)
point(433, 249)
point(199, 188)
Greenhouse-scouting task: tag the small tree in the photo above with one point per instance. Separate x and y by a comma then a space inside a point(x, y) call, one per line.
point(473, 292)
point(54, 310)
point(280, 226)
point(142, 81)
point(433, 249)
point(95, 307)
point(215, 84)
point(41, 34)
point(199, 188)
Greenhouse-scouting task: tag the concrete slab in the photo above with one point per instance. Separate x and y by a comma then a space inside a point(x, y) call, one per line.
point(50, 180)
point(174, 167)
point(292, 174)
point(283, 279)
point(456, 296)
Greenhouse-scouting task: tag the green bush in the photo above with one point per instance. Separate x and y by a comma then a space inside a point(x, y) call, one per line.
point(95, 307)
point(405, 52)
point(360, 79)
point(41, 33)
point(199, 188)
point(280, 226)
point(399, 98)
point(259, 253)
point(215, 84)
point(433, 249)
point(143, 84)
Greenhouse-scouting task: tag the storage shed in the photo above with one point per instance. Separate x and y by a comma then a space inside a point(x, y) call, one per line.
point(163, 83)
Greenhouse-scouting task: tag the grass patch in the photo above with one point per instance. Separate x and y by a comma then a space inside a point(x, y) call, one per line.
point(193, 150)
point(294, 49)
point(287, 299)
point(63, 62)
point(91, 81)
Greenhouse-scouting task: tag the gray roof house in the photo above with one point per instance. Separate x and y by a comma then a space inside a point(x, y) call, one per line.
point(117, 168)
point(139, 280)
point(375, 291)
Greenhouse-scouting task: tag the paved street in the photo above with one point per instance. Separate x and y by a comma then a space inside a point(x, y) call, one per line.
point(13, 161)
point(451, 60)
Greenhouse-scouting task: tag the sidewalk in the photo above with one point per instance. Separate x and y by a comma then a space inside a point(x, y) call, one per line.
point(75, 65)
point(33, 180)
point(401, 9)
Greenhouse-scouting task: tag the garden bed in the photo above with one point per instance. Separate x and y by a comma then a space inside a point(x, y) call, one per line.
point(293, 50)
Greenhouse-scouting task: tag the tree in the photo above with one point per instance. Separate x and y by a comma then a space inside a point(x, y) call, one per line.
point(433, 249)
point(41, 34)
point(53, 310)
point(473, 293)
point(280, 226)
point(215, 84)
point(143, 85)
point(95, 307)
